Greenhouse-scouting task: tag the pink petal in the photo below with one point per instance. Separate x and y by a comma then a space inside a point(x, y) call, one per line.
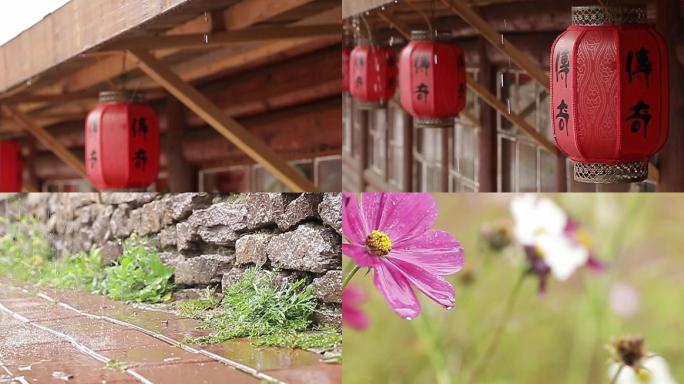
point(354, 318)
point(436, 251)
point(397, 291)
point(595, 264)
point(430, 284)
point(353, 224)
point(361, 257)
point(400, 215)
point(352, 315)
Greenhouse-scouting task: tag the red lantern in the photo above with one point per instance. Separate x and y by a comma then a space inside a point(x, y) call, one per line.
point(609, 93)
point(11, 167)
point(373, 74)
point(432, 80)
point(122, 142)
point(346, 53)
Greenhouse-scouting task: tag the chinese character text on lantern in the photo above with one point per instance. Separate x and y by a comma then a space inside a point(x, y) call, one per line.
point(11, 167)
point(432, 80)
point(609, 93)
point(122, 143)
point(373, 74)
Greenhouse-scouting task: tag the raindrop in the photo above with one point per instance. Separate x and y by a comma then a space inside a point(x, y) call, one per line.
point(448, 308)
point(408, 318)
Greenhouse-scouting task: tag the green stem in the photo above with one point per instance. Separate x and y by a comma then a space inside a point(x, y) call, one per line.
point(349, 276)
point(434, 351)
point(490, 351)
point(617, 374)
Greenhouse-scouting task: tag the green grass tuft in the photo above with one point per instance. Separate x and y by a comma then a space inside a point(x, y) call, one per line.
point(139, 275)
point(258, 308)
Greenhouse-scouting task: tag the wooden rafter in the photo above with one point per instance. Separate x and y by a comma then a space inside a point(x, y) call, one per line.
point(48, 140)
point(226, 126)
point(471, 17)
point(215, 39)
point(514, 118)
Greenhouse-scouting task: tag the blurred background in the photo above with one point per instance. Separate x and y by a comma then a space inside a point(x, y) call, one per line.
point(557, 338)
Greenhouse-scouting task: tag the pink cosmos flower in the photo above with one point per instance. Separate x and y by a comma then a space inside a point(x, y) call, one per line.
point(352, 315)
point(390, 234)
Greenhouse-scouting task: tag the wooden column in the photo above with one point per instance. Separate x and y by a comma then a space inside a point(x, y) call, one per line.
point(487, 137)
point(446, 155)
point(408, 152)
point(671, 159)
point(31, 175)
point(364, 117)
point(181, 175)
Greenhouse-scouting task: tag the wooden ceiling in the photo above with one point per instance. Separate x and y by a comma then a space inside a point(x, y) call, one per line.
point(54, 70)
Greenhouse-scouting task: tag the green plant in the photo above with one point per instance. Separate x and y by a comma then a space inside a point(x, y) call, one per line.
point(24, 249)
point(139, 275)
point(259, 308)
point(83, 271)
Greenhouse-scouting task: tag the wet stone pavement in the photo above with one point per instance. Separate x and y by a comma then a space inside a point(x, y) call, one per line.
point(50, 336)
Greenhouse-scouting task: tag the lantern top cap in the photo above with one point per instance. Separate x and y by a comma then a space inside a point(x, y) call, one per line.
point(610, 14)
point(121, 97)
point(427, 35)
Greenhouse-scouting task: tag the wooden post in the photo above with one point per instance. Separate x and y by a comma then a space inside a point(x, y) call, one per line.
point(488, 136)
point(181, 176)
point(252, 146)
point(446, 138)
point(408, 152)
point(671, 158)
point(363, 158)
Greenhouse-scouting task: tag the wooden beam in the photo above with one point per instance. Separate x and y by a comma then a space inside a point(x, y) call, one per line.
point(73, 29)
point(495, 103)
point(250, 12)
point(226, 126)
point(55, 146)
point(212, 40)
point(463, 10)
point(354, 7)
point(239, 16)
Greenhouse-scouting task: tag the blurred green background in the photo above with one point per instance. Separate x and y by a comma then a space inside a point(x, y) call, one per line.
point(558, 338)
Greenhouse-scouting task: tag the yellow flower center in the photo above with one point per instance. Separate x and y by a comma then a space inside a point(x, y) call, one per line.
point(584, 238)
point(644, 375)
point(378, 243)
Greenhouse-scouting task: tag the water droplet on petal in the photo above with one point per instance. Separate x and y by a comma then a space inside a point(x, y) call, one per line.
point(409, 318)
point(450, 307)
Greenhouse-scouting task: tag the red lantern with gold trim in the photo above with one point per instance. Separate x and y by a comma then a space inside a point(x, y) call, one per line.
point(122, 142)
point(610, 93)
point(11, 167)
point(373, 74)
point(432, 80)
point(346, 53)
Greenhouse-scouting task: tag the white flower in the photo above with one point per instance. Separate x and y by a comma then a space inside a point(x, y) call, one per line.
point(541, 224)
point(535, 217)
point(654, 370)
point(561, 254)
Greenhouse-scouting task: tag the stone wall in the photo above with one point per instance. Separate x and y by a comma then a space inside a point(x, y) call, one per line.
point(210, 240)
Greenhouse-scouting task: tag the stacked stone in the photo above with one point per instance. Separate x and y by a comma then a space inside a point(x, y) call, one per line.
point(211, 240)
